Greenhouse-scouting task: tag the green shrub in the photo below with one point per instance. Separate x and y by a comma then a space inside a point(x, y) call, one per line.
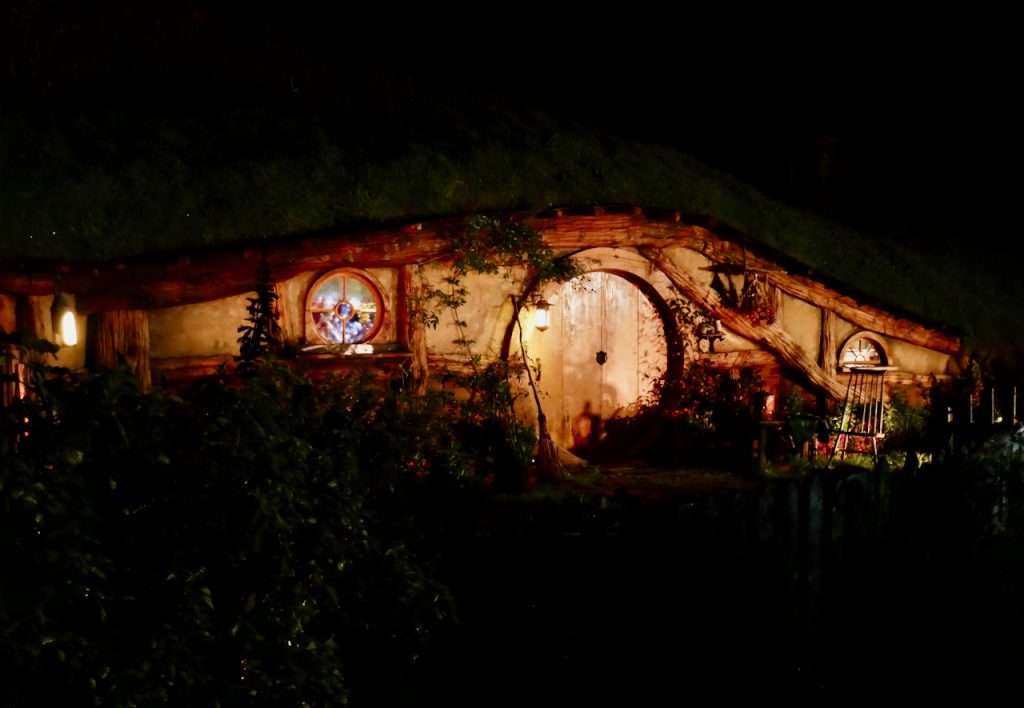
point(254, 540)
point(908, 431)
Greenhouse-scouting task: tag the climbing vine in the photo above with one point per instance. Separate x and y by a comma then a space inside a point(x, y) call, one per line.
point(487, 246)
point(491, 246)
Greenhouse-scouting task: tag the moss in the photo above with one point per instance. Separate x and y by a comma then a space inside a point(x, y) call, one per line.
point(101, 184)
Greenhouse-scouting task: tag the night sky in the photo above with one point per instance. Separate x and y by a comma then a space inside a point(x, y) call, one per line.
point(902, 122)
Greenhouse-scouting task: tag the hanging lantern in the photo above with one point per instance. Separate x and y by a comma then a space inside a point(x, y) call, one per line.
point(542, 315)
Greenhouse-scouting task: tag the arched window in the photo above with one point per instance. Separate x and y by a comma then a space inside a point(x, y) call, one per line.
point(863, 349)
point(345, 307)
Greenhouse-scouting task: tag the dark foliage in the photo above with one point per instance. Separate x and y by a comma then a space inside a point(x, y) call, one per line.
point(257, 540)
point(261, 334)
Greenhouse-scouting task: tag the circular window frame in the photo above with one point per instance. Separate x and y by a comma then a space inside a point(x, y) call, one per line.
point(365, 279)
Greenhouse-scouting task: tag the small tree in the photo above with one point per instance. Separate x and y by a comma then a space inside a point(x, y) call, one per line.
point(261, 334)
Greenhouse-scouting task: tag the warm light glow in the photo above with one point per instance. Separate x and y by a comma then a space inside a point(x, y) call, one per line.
point(62, 315)
point(68, 329)
point(542, 317)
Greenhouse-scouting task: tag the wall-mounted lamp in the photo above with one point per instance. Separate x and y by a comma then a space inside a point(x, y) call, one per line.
point(711, 330)
point(62, 315)
point(542, 316)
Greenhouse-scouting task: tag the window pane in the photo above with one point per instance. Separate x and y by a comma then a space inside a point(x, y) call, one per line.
point(862, 351)
point(345, 308)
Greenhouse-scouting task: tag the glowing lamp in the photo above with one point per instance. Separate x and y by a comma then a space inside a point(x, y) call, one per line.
point(542, 316)
point(62, 314)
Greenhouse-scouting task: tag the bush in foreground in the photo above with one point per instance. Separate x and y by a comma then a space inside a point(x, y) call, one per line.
point(254, 540)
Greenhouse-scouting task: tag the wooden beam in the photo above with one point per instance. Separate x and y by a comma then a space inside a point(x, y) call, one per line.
point(770, 337)
point(741, 359)
point(569, 233)
point(219, 274)
point(182, 279)
point(864, 316)
point(196, 277)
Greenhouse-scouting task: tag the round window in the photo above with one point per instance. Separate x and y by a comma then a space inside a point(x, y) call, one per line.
point(345, 307)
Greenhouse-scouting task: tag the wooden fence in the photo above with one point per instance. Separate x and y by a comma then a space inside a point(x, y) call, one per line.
point(799, 579)
point(973, 417)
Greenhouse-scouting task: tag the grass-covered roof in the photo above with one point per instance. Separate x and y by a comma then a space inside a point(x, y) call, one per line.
point(93, 184)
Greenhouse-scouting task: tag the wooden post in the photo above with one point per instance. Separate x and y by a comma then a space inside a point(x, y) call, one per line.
point(9, 390)
point(827, 342)
point(122, 337)
point(8, 318)
point(402, 314)
point(290, 325)
point(29, 314)
point(411, 329)
point(32, 315)
point(951, 444)
point(826, 353)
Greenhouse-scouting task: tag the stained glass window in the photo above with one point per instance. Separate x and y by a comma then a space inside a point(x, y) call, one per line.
point(345, 307)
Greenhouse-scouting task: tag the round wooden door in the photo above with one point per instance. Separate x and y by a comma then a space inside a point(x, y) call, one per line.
point(599, 362)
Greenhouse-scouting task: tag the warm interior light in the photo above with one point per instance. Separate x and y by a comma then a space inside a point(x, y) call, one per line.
point(542, 317)
point(68, 329)
point(62, 314)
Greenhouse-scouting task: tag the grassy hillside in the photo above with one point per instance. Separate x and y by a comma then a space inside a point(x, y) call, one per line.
point(96, 184)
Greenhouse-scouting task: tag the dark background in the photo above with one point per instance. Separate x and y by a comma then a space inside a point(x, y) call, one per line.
point(904, 122)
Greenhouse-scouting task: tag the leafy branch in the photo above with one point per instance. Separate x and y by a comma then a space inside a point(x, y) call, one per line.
point(261, 334)
point(491, 246)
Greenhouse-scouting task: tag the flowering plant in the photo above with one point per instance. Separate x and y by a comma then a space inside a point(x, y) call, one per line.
point(707, 411)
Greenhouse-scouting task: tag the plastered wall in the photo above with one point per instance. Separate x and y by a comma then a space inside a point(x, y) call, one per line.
point(211, 328)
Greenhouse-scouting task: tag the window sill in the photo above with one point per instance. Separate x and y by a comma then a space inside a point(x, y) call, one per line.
point(349, 351)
